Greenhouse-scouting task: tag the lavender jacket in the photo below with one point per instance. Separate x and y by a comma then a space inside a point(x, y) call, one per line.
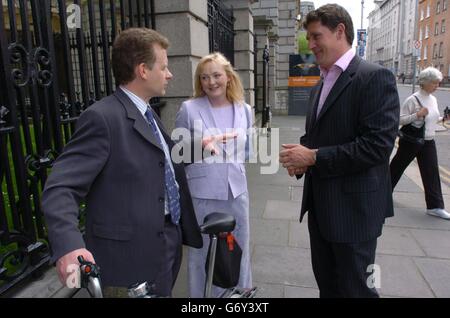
point(208, 178)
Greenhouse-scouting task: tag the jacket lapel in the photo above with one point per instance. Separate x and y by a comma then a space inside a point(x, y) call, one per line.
point(238, 115)
point(342, 82)
point(315, 104)
point(206, 114)
point(140, 125)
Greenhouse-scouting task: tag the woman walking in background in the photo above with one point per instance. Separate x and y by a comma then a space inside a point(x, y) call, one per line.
point(421, 109)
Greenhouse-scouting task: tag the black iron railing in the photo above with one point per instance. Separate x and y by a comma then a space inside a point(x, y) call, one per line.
point(221, 29)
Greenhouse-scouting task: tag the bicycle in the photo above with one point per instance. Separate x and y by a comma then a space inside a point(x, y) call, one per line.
point(90, 278)
point(214, 224)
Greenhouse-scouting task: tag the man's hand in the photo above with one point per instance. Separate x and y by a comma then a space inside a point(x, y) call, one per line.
point(422, 113)
point(296, 156)
point(296, 171)
point(64, 265)
point(209, 142)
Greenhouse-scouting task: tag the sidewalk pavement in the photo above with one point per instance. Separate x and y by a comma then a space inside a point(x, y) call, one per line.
point(413, 253)
point(441, 88)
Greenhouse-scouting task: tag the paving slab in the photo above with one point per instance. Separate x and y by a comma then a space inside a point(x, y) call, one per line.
point(435, 243)
point(409, 200)
point(299, 234)
point(300, 292)
point(269, 290)
point(400, 277)
point(282, 210)
point(398, 241)
point(418, 219)
point(437, 274)
point(260, 193)
point(283, 265)
point(269, 232)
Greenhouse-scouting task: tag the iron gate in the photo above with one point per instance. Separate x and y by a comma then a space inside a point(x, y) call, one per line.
point(221, 29)
point(49, 73)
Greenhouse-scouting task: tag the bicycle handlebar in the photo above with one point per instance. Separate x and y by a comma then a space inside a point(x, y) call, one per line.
point(90, 277)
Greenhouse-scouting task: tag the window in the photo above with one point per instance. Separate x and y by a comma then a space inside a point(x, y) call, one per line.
point(409, 45)
point(428, 10)
point(443, 26)
point(436, 28)
point(420, 34)
point(438, 7)
point(427, 31)
point(421, 15)
point(425, 52)
point(444, 5)
point(435, 50)
point(441, 47)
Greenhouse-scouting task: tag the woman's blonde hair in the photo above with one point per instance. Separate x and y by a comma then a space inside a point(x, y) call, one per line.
point(235, 91)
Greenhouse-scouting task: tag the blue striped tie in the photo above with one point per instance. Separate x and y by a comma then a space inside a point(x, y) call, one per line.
point(173, 195)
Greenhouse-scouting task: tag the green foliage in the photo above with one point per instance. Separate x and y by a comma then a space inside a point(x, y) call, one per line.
point(303, 44)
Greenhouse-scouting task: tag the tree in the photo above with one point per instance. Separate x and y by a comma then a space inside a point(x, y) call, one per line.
point(303, 44)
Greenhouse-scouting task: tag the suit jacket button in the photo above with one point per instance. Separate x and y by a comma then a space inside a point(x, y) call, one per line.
point(161, 234)
point(161, 199)
point(161, 164)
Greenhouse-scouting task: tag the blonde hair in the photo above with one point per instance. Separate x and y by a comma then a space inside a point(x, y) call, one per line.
point(235, 91)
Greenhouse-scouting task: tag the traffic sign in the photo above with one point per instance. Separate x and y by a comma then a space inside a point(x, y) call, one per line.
point(417, 44)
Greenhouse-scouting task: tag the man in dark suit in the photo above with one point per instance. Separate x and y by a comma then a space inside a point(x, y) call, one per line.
point(351, 127)
point(139, 209)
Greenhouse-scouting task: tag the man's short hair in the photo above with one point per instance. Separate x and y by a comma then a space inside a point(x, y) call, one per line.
point(330, 15)
point(132, 47)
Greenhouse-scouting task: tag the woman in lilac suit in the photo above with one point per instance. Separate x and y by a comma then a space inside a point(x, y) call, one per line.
point(218, 183)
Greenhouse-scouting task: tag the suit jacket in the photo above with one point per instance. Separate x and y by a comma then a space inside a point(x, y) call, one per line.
point(212, 181)
point(114, 163)
point(349, 187)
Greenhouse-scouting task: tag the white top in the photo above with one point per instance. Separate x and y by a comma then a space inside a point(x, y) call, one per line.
point(409, 109)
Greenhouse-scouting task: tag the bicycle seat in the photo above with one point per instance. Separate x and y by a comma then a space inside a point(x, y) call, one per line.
point(216, 222)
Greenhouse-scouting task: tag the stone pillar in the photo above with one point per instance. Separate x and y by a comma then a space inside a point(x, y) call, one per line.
point(243, 45)
point(184, 23)
point(287, 36)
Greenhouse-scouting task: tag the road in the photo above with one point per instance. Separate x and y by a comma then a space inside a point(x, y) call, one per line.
point(442, 137)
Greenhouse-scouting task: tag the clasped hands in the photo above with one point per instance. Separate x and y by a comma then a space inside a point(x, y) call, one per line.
point(297, 158)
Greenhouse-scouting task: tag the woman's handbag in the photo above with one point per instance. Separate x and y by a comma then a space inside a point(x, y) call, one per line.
point(411, 133)
point(227, 265)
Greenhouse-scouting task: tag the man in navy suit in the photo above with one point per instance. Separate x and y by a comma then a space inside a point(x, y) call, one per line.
point(351, 126)
point(139, 209)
